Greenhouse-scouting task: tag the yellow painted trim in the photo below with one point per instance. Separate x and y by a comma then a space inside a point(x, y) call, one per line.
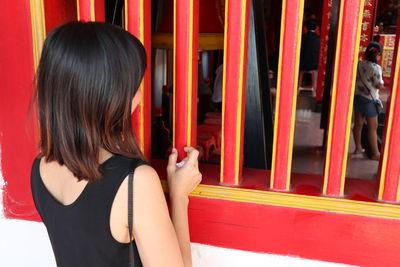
point(352, 88)
point(207, 41)
point(295, 88)
point(141, 38)
point(38, 25)
point(333, 99)
point(78, 11)
point(239, 113)
point(389, 130)
point(142, 85)
point(190, 77)
point(316, 203)
point(126, 19)
point(174, 82)
point(278, 94)
point(221, 179)
point(398, 192)
point(92, 11)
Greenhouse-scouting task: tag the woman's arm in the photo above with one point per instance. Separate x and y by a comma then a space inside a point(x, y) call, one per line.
point(160, 241)
point(179, 216)
point(181, 182)
point(153, 230)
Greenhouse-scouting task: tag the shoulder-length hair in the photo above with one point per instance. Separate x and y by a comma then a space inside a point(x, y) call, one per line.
point(87, 76)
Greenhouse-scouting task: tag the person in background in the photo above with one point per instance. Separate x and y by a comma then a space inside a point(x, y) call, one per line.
point(310, 42)
point(309, 55)
point(217, 91)
point(368, 83)
point(203, 95)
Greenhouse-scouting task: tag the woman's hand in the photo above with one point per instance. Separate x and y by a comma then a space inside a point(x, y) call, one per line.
point(183, 180)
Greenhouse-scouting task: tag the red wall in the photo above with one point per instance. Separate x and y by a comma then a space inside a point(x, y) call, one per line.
point(17, 128)
point(16, 86)
point(58, 12)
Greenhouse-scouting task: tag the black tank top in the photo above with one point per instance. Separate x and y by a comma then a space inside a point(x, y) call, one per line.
point(80, 232)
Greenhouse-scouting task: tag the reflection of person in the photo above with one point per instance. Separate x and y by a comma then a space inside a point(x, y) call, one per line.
point(309, 54)
point(87, 88)
point(217, 92)
point(310, 41)
point(369, 81)
point(204, 95)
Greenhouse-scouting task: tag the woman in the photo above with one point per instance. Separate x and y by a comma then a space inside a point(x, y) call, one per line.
point(87, 88)
point(369, 81)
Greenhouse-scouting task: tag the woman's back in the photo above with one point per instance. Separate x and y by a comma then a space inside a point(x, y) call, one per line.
point(78, 222)
point(369, 79)
point(87, 88)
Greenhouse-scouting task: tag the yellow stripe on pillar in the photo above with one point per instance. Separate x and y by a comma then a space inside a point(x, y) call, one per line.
point(346, 60)
point(185, 51)
point(233, 89)
point(38, 29)
point(138, 22)
point(286, 96)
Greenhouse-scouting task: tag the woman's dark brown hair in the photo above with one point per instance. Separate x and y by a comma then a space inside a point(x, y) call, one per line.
point(372, 51)
point(87, 76)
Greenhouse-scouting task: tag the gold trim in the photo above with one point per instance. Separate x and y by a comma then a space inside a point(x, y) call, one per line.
point(317, 203)
point(389, 130)
point(294, 100)
point(92, 11)
point(221, 178)
point(38, 25)
point(174, 81)
point(207, 41)
point(190, 77)
point(126, 15)
point(398, 191)
point(333, 99)
point(144, 81)
point(78, 10)
point(350, 110)
point(278, 94)
point(239, 113)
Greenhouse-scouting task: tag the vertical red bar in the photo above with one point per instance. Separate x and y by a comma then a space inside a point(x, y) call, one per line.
point(323, 51)
point(90, 10)
point(346, 59)
point(100, 12)
point(138, 22)
point(285, 113)
point(18, 138)
point(234, 89)
point(85, 10)
point(389, 187)
point(186, 32)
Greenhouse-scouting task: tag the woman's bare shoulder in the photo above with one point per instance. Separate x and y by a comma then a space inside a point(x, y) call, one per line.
point(147, 184)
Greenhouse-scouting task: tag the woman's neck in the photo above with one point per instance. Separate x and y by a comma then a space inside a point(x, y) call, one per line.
point(104, 155)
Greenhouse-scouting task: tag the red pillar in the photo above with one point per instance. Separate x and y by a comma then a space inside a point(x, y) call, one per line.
point(286, 94)
point(346, 60)
point(22, 34)
point(234, 89)
point(90, 10)
point(186, 35)
point(389, 186)
point(138, 22)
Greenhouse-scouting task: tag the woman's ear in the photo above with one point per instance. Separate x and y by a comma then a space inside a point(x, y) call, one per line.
point(136, 100)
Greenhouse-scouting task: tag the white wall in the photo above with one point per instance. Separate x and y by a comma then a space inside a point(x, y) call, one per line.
point(24, 243)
